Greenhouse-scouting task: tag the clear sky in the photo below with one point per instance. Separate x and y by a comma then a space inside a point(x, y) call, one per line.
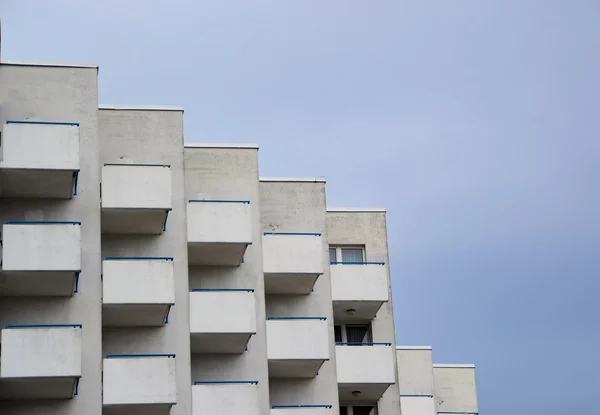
point(476, 123)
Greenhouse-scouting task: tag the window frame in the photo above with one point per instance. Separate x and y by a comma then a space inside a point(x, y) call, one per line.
point(344, 333)
point(338, 252)
point(350, 407)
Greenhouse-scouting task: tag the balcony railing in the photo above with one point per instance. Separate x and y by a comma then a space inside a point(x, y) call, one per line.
point(292, 261)
point(137, 291)
point(219, 231)
point(222, 320)
point(136, 198)
point(40, 361)
point(141, 382)
point(308, 409)
point(225, 397)
point(39, 159)
point(297, 346)
point(40, 258)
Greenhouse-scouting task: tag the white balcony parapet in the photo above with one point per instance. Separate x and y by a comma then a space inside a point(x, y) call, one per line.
point(364, 370)
point(219, 231)
point(297, 346)
point(137, 291)
point(39, 159)
point(455, 389)
point(40, 258)
point(40, 361)
point(225, 397)
point(308, 409)
point(136, 198)
point(144, 382)
point(292, 261)
point(358, 289)
point(417, 404)
point(222, 320)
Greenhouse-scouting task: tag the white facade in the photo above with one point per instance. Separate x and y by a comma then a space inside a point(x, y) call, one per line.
point(123, 248)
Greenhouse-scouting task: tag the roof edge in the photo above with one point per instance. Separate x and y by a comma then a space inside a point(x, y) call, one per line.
point(293, 179)
point(50, 64)
point(413, 348)
point(140, 107)
point(220, 145)
point(454, 365)
point(349, 209)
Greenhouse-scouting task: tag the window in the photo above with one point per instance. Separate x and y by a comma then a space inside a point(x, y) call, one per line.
point(358, 410)
point(353, 333)
point(346, 254)
point(343, 410)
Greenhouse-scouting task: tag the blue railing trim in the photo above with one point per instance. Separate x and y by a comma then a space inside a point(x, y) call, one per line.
point(301, 406)
point(250, 290)
point(363, 344)
point(165, 221)
point(40, 326)
point(76, 290)
point(167, 315)
point(226, 382)
point(247, 202)
point(138, 164)
point(75, 181)
point(138, 258)
point(76, 389)
point(415, 396)
point(356, 263)
point(124, 356)
point(295, 318)
point(75, 124)
point(293, 233)
point(41, 222)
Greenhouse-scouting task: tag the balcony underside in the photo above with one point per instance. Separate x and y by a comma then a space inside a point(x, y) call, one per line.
point(289, 283)
point(216, 253)
point(134, 315)
point(363, 310)
point(219, 343)
point(37, 283)
point(35, 183)
point(37, 388)
point(143, 409)
point(294, 368)
point(133, 221)
point(368, 391)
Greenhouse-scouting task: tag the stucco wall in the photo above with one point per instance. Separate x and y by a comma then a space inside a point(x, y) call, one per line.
point(223, 173)
point(290, 206)
point(455, 389)
point(66, 94)
point(369, 229)
point(415, 371)
point(153, 137)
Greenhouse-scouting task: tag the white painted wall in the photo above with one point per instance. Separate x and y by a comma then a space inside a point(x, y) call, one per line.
point(365, 364)
point(417, 405)
point(141, 187)
point(138, 282)
point(293, 254)
point(222, 312)
point(415, 370)
point(455, 389)
point(42, 247)
point(41, 352)
point(40, 146)
point(225, 399)
point(302, 411)
point(297, 339)
point(219, 222)
point(139, 380)
point(367, 282)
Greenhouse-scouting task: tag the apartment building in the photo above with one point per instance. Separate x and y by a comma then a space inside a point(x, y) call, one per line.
point(142, 275)
point(428, 389)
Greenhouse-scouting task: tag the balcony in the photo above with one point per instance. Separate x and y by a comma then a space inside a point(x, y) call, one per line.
point(417, 404)
point(136, 198)
point(137, 291)
point(144, 383)
point(364, 370)
point(358, 289)
point(301, 410)
point(40, 361)
point(296, 346)
point(39, 159)
point(224, 397)
point(40, 258)
point(292, 261)
point(455, 389)
point(219, 231)
point(222, 320)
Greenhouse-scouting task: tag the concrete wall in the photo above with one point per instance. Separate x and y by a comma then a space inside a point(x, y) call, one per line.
point(153, 137)
point(415, 370)
point(222, 172)
point(226, 399)
point(455, 389)
point(368, 228)
point(300, 206)
point(61, 93)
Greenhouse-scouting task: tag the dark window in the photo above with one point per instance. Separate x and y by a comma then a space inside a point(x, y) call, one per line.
point(358, 333)
point(343, 410)
point(337, 330)
point(332, 255)
point(363, 410)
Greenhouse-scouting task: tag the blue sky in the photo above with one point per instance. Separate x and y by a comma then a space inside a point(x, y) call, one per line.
point(474, 122)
